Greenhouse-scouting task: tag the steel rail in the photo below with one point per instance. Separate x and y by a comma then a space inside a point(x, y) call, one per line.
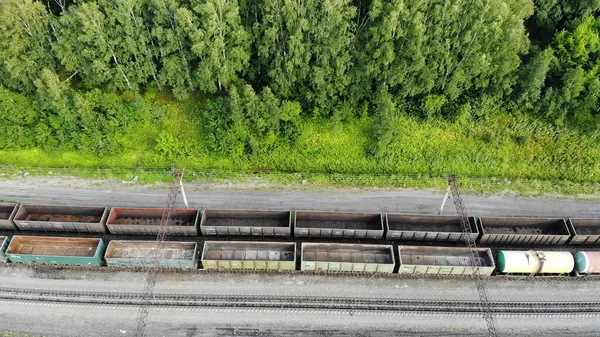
point(297, 302)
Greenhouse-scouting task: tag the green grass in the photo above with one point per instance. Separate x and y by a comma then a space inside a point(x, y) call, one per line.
point(502, 153)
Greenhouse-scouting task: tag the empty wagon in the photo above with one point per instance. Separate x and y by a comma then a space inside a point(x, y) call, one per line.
point(54, 250)
point(7, 213)
point(246, 223)
point(586, 231)
point(523, 231)
point(404, 227)
point(347, 257)
point(81, 219)
point(443, 260)
point(177, 255)
point(146, 221)
point(338, 225)
point(249, 255)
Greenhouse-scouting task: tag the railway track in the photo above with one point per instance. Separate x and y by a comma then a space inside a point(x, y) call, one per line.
point(296, 302)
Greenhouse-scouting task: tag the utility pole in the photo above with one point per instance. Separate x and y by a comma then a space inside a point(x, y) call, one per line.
point(156, 255)
point(475, 259)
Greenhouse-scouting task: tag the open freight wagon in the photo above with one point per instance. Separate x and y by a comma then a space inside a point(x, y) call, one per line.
point(405, 227)
point(55, 250)
point(338, 225)
point(146, 221)
point(246, 223)
point(443, 260)
point(249, 255)
point(7, 214)
point(347, 257)
point(523, 231)
point(171, 254)
point(586, 231)
point(43, 218)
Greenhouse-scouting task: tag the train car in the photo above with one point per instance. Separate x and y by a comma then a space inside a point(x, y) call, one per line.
point(42, 218)
point(405, 227)
point(347, 257)
point(443, 260)
point(587, 262)
point(246, 223)
point(586, 231)
point(7, 214)
point(3, 245)
point(523, 231)
point(176, 255)
point(249, 255)
point(55, 250)
point(146, 221)
point(338, 225)
point(532, 262)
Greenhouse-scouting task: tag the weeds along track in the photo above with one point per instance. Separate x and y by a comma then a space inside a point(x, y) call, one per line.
point(294, 302)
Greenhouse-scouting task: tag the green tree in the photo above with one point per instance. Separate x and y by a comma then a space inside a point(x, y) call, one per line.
point(25, 43)
point(219, 41)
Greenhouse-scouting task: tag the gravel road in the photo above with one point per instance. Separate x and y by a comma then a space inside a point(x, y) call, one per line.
point(59, 191)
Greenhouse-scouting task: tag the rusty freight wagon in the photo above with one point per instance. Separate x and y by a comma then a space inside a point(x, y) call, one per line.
point(177, 255)
point(146, 221)
point(81, 219)
point(523, 231)
point(54, 250)
point(246, 223)
point(7, 214)
point(3, 245)
point(249, 255)
point(405, 227)
point(443, 260)
point(586, 231)
point(347, 257)
point(338, 225)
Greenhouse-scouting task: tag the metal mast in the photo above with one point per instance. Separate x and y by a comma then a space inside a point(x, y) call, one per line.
point(475, 259)
point(142, 319)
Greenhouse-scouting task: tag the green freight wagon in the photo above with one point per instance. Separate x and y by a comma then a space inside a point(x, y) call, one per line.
point(443, 260)
point(177, 255)
point(58, 251)
point(7, 214)
point(348, 257)
point(249, 255)
point(3, 245)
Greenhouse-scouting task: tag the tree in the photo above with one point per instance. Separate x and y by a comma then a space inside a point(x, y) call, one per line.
point(25, 43)
point(219, 41)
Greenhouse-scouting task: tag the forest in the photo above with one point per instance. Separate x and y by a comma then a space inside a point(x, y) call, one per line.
point(505, 88)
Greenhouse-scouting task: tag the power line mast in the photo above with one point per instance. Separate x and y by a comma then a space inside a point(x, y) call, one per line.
point(475, 260)
point(156, 255)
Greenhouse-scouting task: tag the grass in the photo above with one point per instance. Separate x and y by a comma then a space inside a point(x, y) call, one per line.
point(501, 153)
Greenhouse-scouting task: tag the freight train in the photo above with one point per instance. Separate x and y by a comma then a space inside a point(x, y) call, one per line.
point(411, 256)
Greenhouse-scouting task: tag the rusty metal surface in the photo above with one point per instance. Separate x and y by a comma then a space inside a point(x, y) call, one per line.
point(523, 231)
point(406, 227)
point(443, 260)
point(249, 223)
point(587, 231)
point(338, 225)
point(146, 221)
point(36, 245)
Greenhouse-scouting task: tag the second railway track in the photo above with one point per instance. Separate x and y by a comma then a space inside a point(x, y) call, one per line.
point(296, 302)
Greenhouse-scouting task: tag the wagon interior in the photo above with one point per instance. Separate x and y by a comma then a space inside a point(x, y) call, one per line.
point(51, 246)
point(145, 250)
point(246, 219)
point(241, 251)
point(60, 214)
point(529, 226)
point(442, 256)
point(335, 220)
point(6, 210)
point(348, 253)
point(586, 226)
point(151, 217)
point(417, 223)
